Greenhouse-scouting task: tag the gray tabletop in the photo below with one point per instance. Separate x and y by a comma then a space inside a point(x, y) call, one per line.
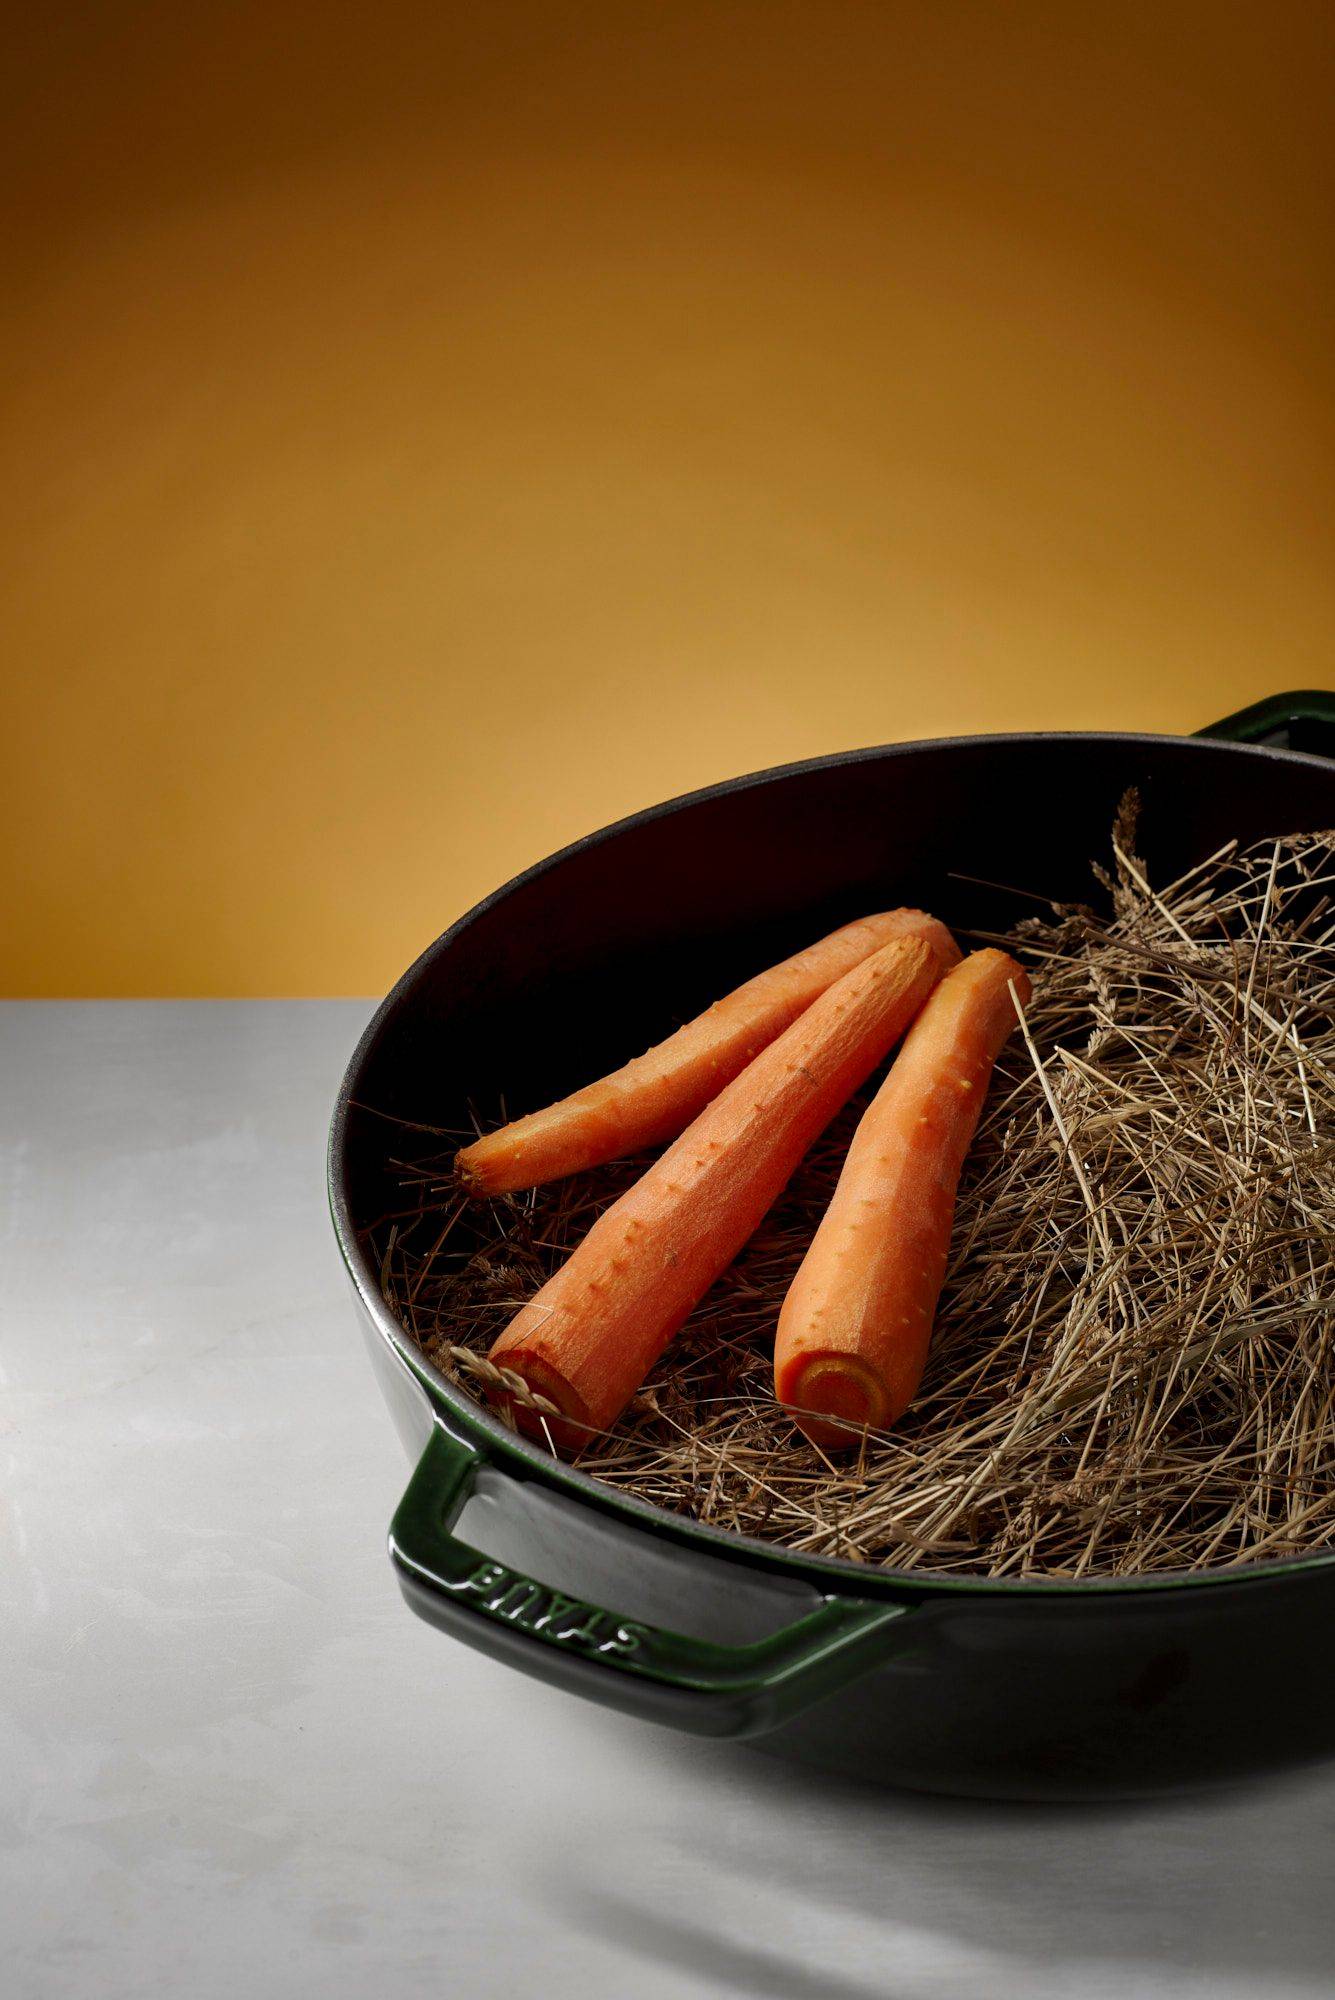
point(233, 1763)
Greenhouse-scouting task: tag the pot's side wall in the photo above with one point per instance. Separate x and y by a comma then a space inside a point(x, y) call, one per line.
point(1075, 1698)
point(408, 1404)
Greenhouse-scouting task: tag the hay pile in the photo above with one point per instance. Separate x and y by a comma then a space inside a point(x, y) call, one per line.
point(1133, 1367)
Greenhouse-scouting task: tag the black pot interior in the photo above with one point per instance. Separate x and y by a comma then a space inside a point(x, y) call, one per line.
point(585, 961)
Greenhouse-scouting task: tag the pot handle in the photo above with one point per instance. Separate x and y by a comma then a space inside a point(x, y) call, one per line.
point(663, 1676)
point(1303, 719)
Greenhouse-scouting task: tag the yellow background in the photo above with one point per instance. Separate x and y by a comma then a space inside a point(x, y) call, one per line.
point(431, 432)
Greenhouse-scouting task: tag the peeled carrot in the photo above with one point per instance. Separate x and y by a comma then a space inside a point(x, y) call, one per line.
point(657, 1095)
point(587, 1340)
point(857, 1322)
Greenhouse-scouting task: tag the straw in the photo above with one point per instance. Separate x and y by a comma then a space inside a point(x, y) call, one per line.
point(1132, 1369)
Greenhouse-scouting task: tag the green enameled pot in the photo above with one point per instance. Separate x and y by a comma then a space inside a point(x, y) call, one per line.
point(1018, 1688)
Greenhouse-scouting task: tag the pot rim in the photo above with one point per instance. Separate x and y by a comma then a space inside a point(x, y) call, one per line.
point(531, 1461)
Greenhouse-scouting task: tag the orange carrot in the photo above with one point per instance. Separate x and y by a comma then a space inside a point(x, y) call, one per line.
point(657, 1095)
point(590, 1336)
point(857, 1322)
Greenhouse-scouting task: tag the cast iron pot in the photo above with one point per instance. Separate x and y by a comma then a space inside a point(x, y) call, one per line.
point(1009, 1689)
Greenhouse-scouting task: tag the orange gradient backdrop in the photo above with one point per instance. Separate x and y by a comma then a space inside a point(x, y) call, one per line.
point(431, 432)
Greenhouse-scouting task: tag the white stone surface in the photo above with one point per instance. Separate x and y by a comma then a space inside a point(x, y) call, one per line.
point(233, 1763)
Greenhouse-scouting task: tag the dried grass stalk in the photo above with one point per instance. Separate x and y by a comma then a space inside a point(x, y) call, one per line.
point(1133, 1363)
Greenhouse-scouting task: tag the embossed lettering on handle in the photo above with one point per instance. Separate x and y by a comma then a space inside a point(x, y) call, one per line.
point(538, 1608)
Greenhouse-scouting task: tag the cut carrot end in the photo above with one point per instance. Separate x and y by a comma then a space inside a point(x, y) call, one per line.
point(571, 1429)
point(833, 1398)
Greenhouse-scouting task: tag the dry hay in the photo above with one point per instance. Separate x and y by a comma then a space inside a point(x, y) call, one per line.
point(1132, 1368)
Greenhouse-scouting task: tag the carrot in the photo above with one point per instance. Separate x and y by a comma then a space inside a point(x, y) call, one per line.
point(856, 1324)
point(657, 1095)
point(587, 1340)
